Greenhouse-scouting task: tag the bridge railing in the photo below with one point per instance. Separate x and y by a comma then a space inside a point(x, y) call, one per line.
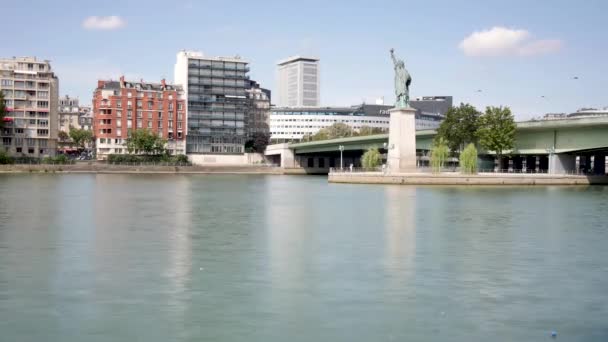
point(454, 170)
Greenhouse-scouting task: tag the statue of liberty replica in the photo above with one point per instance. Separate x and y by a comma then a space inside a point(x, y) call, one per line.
point(402, 82)
point(402, 131)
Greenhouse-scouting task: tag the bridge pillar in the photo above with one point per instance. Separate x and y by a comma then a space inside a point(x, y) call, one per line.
point(599, 164)
point(562, 163)
point(402, 140)
point(287, 158)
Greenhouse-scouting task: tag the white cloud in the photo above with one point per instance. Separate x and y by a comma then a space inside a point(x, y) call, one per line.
point(112, 22)
point(501, 41)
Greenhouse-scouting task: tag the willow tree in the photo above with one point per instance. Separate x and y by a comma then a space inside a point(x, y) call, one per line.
point(439, 154)
point(371, 158)
point(468, 160)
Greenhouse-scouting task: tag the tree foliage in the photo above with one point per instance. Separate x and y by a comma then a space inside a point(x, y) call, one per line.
point(497, 131)
point(81, 136)
point(257, 142)
point(468, 159)
point(2, 109)
point(439, 154)
point(145, 141)
point(366, 130)
point(460, 127)
point(63, 136)
point(371, 158)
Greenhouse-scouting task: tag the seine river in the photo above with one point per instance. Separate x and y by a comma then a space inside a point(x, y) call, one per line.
point(288, 258)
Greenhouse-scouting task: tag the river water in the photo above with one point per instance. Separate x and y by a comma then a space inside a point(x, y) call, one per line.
point(288, 258)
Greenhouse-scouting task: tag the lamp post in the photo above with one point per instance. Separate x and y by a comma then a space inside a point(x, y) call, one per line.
point(341, 148)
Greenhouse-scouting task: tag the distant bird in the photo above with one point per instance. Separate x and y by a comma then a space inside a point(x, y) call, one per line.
point(479, 90)
point(575, 78)
point(543, 96)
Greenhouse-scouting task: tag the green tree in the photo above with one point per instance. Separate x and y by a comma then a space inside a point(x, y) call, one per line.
point(460, 127)
point(439, 154)
point(145, 141)
point(3, 111)
point(63, 136)
point(257, 142)
point(366, 130)
point(322, 134)
point(81, 136)
point(371, 158)
point(497, 131)
point(468, 159)
point(339, 130)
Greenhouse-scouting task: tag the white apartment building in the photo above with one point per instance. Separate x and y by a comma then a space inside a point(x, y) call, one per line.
point(293, 124)
point(30, 90)
point(299, 82)
point(72, 115)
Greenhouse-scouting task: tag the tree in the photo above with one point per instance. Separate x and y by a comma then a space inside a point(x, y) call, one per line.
point(371, 158)
point(460, 127)
point(439, 154)
point(497, 131)
point(145, 141)
point(366, 130)
point(322, 134)
point(3, 110)
point(257, 142)
point(81, 136)
point(339, 130)
point(468, 159)
point(63, 136)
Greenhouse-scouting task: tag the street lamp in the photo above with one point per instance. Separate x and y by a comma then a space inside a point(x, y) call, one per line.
point(341, 148)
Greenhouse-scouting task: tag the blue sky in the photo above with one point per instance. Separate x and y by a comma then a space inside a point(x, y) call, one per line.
point(523, 50)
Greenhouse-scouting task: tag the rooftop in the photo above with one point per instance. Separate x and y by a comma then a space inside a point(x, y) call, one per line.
point(296, 59)
point(200, 55)
point(111, 84)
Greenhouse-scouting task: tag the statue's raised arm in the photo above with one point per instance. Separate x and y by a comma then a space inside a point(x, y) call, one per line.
point(393, 56)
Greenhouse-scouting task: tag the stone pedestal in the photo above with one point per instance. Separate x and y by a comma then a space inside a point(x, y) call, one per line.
point(402, 140)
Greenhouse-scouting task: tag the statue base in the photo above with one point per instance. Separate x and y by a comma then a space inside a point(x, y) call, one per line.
point(402, 140)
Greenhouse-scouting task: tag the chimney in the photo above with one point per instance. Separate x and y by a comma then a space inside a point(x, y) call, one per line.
point(163, 83)
point(100, 83)
point(122, 81)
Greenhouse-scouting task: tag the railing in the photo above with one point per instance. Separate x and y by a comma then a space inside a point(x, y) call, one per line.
point(386, 170)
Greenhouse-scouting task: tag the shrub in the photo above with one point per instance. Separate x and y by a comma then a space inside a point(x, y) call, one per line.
point(468, 160)
point(371, 158)
point(5, 158)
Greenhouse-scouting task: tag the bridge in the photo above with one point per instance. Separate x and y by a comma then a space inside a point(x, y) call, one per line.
point(555, 146)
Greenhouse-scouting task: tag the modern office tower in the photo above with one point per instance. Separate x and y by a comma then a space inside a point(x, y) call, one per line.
point(30, 90)
point(122, 106)
point(216, 89)
point(298, 82)
point(258, 114)
point(430, 110)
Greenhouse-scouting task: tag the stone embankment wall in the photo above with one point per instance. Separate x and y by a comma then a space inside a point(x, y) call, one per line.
point(458, 179)
point(105, 168)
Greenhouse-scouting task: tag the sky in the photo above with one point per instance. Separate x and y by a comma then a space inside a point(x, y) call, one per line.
point(521, 54)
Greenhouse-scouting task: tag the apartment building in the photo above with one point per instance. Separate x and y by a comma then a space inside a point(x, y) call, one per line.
point(71, 114)
point(30, 90)
point(122, 106)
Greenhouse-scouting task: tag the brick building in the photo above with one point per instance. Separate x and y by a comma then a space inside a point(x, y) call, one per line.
point(122, 106)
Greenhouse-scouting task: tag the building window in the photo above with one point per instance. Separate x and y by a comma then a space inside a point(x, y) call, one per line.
point(170, 123)
point(119, 113)
point(149, 115)
point(149, 124)
point(119, 132)
point(129, 123)
point(150, 104)
point(30, 150)
point(160, 125)
point(170, 96)
point(129, 114)
point(119, 104)
point(139, 114)
point(180, 106)
point(139, 105)
point(179, 135)
point(6, 141)
point(170, 106)
point(180, 116)
point(139, 124)
point(160, 115)
point(179, 124)
point(129, 95)
point(129, 104)
point(19, 149)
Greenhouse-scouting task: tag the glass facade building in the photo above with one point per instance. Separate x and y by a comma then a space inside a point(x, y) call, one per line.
point(216, 91)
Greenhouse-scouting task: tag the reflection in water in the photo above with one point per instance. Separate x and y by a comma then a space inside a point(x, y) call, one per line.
point(400, 232)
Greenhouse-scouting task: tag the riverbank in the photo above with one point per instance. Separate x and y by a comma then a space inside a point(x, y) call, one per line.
point(141, 169)
point(459, 179)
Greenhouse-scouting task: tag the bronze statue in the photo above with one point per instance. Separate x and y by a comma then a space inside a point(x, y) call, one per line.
point(402, 83)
